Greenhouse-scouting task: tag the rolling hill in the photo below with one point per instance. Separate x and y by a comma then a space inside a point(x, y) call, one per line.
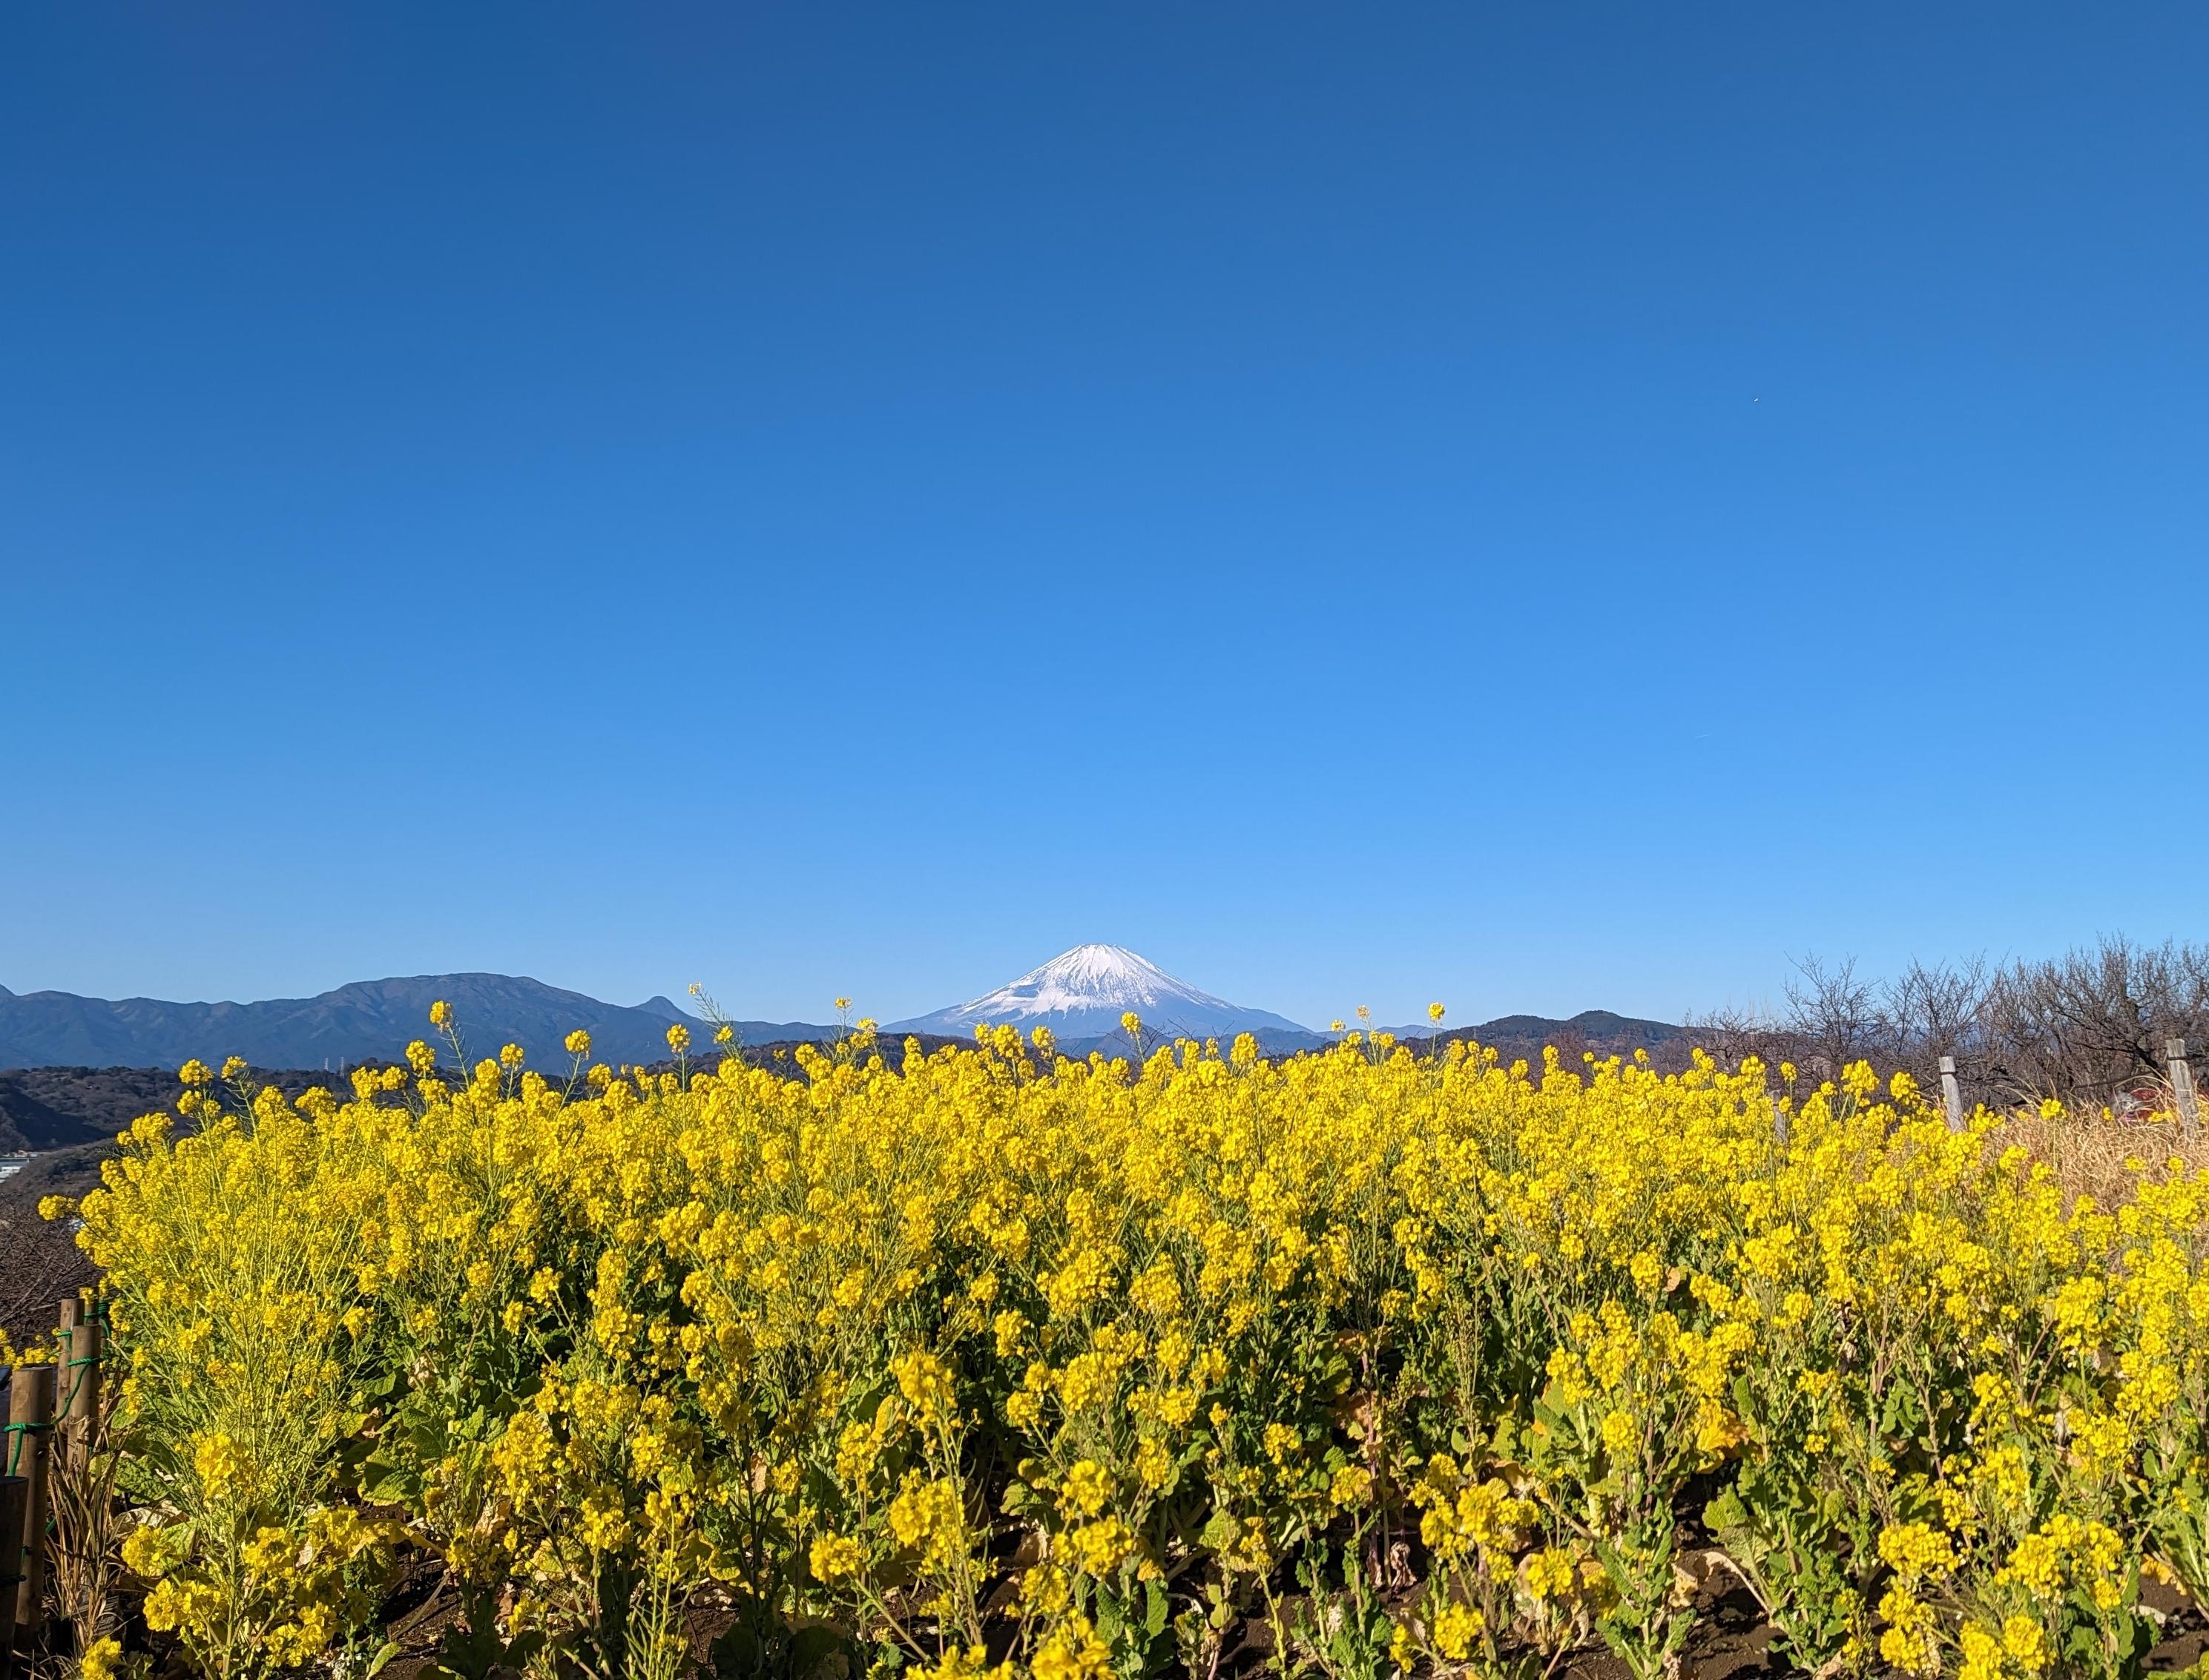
point(366, 1018)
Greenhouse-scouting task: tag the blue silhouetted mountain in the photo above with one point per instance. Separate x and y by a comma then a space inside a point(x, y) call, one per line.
point(367, 1020)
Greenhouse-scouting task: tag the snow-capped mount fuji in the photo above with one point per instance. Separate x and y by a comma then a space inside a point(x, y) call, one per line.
point(1082, 993)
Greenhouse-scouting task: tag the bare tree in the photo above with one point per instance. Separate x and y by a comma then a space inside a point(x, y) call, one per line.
point(1733, 1034)
point(1929, 1011)
point(2083, 1028)
point(2093, 1023)
point(1831, 1014)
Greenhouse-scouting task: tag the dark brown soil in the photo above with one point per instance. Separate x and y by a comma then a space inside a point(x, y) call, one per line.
point(1731, 1641)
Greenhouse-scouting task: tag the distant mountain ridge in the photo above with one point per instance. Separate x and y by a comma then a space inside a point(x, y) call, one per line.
point(366, 1018)
point(1594, 1027)
point(1080, 994)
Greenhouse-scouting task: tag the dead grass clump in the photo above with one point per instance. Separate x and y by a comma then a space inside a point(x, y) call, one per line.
point(2106, 1157)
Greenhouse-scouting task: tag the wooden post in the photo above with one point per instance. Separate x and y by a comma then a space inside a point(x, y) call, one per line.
point(31, 1420)
point(2181, 1086)
point(81, 1341)
point(1952, 1093)
point(14, 1506)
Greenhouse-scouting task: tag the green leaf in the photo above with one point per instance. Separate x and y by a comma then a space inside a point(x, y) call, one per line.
point(810, 1648)
point(383, 1387)
point(386, 1484)
point(737, 1651)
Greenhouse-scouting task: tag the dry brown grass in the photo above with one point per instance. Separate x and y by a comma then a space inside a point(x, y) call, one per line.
point(2106, 1157)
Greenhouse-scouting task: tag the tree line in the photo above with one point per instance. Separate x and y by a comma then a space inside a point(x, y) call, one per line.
point(2088, 1028)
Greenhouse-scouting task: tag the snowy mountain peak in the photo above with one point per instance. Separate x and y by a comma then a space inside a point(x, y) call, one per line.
point(1083, 992)
point(1086, 978)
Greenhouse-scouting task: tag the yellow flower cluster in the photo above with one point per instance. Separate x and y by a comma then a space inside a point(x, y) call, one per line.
point(991, 1361)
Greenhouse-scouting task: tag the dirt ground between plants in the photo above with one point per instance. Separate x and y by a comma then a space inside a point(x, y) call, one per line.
point(1731, 1640)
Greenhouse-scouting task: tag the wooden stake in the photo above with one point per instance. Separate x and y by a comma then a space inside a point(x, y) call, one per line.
point(80, 1344)
point(2182, 1085)
point(1952, 1093)
point(31, 1416)
point(14, 1506)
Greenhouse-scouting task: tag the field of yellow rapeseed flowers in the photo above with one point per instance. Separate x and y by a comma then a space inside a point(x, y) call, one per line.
point(1353, 1364)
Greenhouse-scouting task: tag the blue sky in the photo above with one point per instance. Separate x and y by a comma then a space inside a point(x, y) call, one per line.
point(1541, 507)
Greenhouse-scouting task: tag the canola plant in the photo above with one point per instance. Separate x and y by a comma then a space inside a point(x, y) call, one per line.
point(992, 1362)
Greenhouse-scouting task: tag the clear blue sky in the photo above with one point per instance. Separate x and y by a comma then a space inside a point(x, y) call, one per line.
point(1538, 506)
